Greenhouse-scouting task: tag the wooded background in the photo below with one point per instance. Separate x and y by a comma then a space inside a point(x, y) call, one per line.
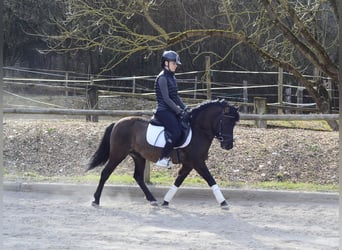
point(24, 20)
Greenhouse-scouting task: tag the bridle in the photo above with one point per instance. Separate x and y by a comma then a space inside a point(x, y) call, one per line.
point(220, 135)
point(217, 126)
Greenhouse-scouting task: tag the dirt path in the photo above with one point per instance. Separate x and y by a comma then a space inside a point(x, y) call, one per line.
point(45, 221)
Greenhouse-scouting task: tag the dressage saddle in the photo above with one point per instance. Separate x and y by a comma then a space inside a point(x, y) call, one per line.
point(185, 125)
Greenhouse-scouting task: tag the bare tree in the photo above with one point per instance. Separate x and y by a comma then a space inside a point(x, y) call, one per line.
point(299, 35)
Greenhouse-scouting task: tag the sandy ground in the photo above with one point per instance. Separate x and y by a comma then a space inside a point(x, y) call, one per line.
point(34, 220)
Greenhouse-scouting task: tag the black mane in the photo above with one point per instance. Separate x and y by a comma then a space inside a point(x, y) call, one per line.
point(204, 105)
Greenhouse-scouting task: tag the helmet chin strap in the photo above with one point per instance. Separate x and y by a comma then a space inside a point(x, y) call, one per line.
point(167, 65)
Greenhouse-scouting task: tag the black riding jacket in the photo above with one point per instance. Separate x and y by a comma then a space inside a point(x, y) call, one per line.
point(167, 93)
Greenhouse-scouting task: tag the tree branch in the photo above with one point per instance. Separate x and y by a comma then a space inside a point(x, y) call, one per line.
point(302, 47)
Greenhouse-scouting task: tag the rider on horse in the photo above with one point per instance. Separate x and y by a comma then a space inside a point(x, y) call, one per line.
point(170, 108)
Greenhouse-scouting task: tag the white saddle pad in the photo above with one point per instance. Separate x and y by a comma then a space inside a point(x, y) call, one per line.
point(155, 136)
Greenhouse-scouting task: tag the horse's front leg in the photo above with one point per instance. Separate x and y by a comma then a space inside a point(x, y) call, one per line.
point(182, 174)
point(203, 171)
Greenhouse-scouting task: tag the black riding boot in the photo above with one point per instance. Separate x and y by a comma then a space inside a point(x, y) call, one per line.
point(163, 160)
point(166, 150)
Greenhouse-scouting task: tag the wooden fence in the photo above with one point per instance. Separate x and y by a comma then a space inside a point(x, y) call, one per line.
point(122, 113)
point(93, 91)
point(191, 89)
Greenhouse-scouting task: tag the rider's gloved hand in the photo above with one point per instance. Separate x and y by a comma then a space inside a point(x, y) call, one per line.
point(186, 108)
point(185, 114)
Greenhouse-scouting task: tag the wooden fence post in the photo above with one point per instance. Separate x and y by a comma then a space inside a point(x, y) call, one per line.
point(147, 172)
point(329, 87)
point(66, 83)
point(195, 88)
point(280, 89)
point(260, 109)
point(287, 98)
point(134, 86)
point(92, 100)
point(299, 95)
point(207, 76)
point(245, 96)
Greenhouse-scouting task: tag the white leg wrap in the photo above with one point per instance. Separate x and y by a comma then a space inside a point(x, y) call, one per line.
point(169, 195)
point(218, 194)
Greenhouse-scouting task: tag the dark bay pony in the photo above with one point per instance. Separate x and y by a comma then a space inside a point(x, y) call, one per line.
point(213, 119)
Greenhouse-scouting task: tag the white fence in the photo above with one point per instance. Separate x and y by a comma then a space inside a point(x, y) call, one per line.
point(193, 86)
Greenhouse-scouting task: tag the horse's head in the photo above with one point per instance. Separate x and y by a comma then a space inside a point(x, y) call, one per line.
point(225, 127)
point(218, 119)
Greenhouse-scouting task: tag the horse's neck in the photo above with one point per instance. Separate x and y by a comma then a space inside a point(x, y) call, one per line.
point(205, 123)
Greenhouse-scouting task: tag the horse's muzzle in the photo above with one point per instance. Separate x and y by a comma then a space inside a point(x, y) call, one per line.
point(227, 146)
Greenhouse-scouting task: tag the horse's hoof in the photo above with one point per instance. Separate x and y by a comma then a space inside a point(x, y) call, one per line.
point(154, 203)
point(165, 204)
point(95, 204)
point(224, 205)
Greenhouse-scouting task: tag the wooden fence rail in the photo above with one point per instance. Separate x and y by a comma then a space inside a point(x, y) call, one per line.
point(122, 113)
point(54, 111)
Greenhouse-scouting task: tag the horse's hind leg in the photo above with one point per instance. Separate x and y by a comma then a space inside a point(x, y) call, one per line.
point(139, 177)
point(106, 172)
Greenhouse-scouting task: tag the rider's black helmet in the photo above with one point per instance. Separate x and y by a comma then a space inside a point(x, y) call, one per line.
point(170, 55)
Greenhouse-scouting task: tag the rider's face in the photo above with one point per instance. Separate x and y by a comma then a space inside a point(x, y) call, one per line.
point(171, 65)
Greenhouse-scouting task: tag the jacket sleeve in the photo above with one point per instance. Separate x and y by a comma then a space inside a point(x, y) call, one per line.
point(180, 103)
point(165, 94)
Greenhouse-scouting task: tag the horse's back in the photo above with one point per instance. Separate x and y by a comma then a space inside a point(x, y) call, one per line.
point(129, 134)
point(133, 121)
point(130, 126)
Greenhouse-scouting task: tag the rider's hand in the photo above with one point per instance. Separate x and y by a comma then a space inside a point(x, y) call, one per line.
point(185, 115)
point(186, 108)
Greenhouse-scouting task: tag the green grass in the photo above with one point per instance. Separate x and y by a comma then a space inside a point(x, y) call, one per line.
point(164, 179)
point(319, 125)
point(157, 178)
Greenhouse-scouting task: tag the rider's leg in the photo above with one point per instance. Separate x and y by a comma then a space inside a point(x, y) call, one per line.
point(171, 124)
point(164, 160)
point(167, 148)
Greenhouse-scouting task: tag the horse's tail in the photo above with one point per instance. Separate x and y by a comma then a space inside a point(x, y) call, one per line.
point(101, 155)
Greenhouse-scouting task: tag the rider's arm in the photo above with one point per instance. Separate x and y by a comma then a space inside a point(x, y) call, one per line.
point(180, 103)
point(165, 94)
